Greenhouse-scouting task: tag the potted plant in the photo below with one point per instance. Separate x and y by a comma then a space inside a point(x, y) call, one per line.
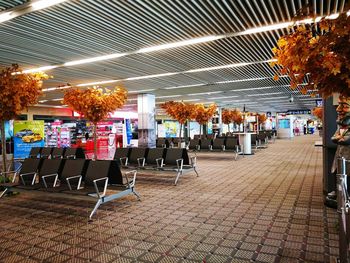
point(95, 104)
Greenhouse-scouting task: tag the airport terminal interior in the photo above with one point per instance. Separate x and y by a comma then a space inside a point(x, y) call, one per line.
point(174, 131)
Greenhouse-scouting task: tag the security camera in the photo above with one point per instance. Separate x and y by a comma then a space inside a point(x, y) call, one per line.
point(291, 99)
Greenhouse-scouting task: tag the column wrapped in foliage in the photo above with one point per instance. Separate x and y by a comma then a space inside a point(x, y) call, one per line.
point(95, 104)
point(226, 117)
point(17, 92)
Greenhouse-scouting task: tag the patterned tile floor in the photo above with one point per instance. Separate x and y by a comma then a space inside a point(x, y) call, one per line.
point(262, 208)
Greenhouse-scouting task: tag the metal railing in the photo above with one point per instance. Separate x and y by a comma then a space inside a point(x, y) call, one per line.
point(343, 209)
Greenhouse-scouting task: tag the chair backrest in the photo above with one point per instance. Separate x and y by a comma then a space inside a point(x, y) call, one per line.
point(162, 141)
point(205, 143)
point(103, 168)
point(46, 152)
point(30, 165)
point(231, 143)
point(35, 152)
point(193, 143)
point(218, 142)
point(57, 152)
point(73, 167)
point(121, 153)
point(78, 153)
point(210, 136)
point(51, 166)
point(174, 154)
point(136, 153)
point(261, 136)
point(153, 154)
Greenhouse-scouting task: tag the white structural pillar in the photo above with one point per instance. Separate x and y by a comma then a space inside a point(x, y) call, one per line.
point(146, 120)
point(220, 120)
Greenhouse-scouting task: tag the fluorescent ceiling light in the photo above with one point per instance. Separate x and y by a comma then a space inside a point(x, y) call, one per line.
point(265, 28)
point(153, 76)
point(169, 96)
point(44, 68)
point(189, 100)
point(44, 4)
point(97, 83)
point(180, 43)
point(6, 16)
point(42, 101)
point(186, 86)
point(226, 97)
point(57, 99)
point(260, 88)
point(140, 91)
point(94, 59)
point(204, 93)
point(264, 94)
point(273, 98)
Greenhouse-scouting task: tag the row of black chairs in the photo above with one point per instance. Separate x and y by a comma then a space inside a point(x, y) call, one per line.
point(55, 152)
point(77, 178)
point(157, 159)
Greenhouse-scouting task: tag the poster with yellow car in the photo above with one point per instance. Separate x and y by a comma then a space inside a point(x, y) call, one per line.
point(27, 134)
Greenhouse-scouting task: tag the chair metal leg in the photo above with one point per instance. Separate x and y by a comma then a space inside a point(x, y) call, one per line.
point(3, 192)
point(137, 194)
point(98, 203)
point(177, 177)
point(195, 170)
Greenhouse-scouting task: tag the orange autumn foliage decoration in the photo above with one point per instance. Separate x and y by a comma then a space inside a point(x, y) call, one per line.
point(317, 55)
point(180, 111)
point(229, 116)
point(94, 103)
point(262, 118)
point(18, 91)
point(203, 114)
point(318, 112)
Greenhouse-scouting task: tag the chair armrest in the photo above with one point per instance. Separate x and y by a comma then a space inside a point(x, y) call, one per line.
point(59, 156)
point(193, 161)
point(210, 147)
point(132, 182)
point(141, 161)
point(198, 147)
point(125, 159)
point(72, 156)
point(179, 163)
point(74, 177)
point(34, 177)
point(160, 162)
point(50, 175)
point(104, 187)
point(223, 147)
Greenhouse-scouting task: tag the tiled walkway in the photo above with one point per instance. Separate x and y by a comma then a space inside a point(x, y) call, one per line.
point(262, 208)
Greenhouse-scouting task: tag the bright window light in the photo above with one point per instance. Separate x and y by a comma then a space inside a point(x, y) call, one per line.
point(37, 5)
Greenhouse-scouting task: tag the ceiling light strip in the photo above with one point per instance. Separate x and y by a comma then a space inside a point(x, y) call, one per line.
point(169, 45)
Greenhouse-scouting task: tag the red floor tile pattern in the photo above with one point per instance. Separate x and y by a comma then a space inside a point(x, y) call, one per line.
point(262, 208)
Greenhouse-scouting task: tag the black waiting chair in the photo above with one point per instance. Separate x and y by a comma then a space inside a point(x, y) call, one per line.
point(35, 152)
point(206, 144)
point(155, 158)
point(72, 175)
point(137, 158)
point(57, 153)
point(74, 153)
point(122, 155)
point(104, 182)
point(162, 143)
point(194, 144)
point(218, 144)
point(46, 152)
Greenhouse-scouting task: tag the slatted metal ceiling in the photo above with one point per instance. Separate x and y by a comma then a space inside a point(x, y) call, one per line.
point(82, 29)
